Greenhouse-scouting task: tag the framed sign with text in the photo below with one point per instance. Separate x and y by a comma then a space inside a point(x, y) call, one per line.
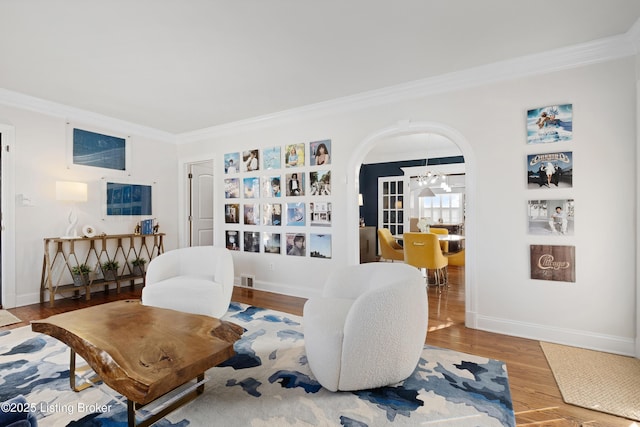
point(551, 262)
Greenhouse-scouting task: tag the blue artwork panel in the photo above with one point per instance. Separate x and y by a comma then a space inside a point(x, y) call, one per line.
point(128, 199)
point(98, 150)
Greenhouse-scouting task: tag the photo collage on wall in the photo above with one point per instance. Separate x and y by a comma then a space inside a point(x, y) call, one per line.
point(275, 198)
point(551, 170)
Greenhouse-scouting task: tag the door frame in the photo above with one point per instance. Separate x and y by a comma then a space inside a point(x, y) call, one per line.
point(8, 286)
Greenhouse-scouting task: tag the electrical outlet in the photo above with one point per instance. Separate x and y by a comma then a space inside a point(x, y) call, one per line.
point(271, 267)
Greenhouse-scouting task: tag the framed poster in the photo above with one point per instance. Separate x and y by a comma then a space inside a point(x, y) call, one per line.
point(556, 263)
point(296, 244)
point(231, 163)
point(251, 187)
point(271, 158)
point(232, 213)
point(320, 245)
point(551, 216)
point(295, 214)
point(550, 170)
point(232, 240)
point(320, 183)
point(271, 186)
point(252, 214)
point(252, 241)
point(295, 184)
point(320, 213)
point(128, 199)
point(231, 188)
point(319, 151)
point(98, 150)
point(271, 214)
point(271, 243)
point(294, 155)
point(250, 161)
point(550, 124)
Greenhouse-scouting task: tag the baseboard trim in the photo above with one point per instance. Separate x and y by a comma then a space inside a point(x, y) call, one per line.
point(577, 338)
point(34, 297)
point(278, 288)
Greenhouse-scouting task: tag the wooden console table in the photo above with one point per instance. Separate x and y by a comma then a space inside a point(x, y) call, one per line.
point(61, 255)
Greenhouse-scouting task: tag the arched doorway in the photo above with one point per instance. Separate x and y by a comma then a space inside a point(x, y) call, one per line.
point(407, 128)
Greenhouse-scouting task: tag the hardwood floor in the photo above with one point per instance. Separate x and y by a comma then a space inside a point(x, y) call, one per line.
point(536, 398)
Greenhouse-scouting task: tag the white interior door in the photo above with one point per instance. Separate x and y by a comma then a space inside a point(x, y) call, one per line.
point(201, 204)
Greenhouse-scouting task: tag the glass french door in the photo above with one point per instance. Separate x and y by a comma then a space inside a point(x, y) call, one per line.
point(391, 204)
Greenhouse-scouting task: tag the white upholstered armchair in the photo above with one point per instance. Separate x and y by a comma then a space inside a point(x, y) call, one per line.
point(195, 280)
point(369, 327)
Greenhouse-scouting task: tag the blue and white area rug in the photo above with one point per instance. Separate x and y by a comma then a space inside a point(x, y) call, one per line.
point(268, 383)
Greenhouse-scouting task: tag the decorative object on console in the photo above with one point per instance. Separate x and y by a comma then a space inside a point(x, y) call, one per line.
point(146, 226)
point(68, 191)
point(80, 274)
point(110, 269)
point(138, 266)
point(88, 231)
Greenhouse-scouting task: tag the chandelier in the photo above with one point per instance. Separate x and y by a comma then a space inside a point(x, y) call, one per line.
point(430, 178)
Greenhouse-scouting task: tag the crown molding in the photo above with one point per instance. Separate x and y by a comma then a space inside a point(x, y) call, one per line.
point(603, 50)
point(72, 114)
point(634, 35)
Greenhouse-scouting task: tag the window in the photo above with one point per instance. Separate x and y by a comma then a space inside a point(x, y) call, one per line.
point(446, 206)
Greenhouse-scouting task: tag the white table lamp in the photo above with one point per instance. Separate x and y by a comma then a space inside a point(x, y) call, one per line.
point(71, 192)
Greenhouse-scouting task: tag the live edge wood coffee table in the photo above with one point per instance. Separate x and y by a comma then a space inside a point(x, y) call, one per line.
point(143, 352)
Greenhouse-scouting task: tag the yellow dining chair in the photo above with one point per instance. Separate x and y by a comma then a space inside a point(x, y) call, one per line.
point(422, 250)
point(444, 245)
point(389, 248)
point(456, 258)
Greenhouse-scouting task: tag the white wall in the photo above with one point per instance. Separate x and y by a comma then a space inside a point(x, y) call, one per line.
point(39, 157)
point(598, 310)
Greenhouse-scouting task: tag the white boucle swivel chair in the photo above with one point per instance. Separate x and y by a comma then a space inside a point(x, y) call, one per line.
point(368, 328)
point(195, 280)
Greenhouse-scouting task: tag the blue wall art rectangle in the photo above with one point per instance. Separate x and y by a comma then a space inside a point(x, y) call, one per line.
point(98, 150)
point(128, 199)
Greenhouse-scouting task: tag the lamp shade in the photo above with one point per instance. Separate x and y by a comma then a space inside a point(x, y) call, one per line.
point(426, 192)
point(71, 191)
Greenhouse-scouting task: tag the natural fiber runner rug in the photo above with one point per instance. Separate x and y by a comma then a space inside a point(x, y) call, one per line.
point(595, 380)
point(7, 318)
point(268, 383)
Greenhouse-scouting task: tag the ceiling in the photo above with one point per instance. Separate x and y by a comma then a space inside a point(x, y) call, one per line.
point(179, 66)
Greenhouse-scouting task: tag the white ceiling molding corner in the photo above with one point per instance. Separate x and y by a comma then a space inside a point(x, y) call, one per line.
point(603, 50)
point(634, 35)
point(72, 114)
